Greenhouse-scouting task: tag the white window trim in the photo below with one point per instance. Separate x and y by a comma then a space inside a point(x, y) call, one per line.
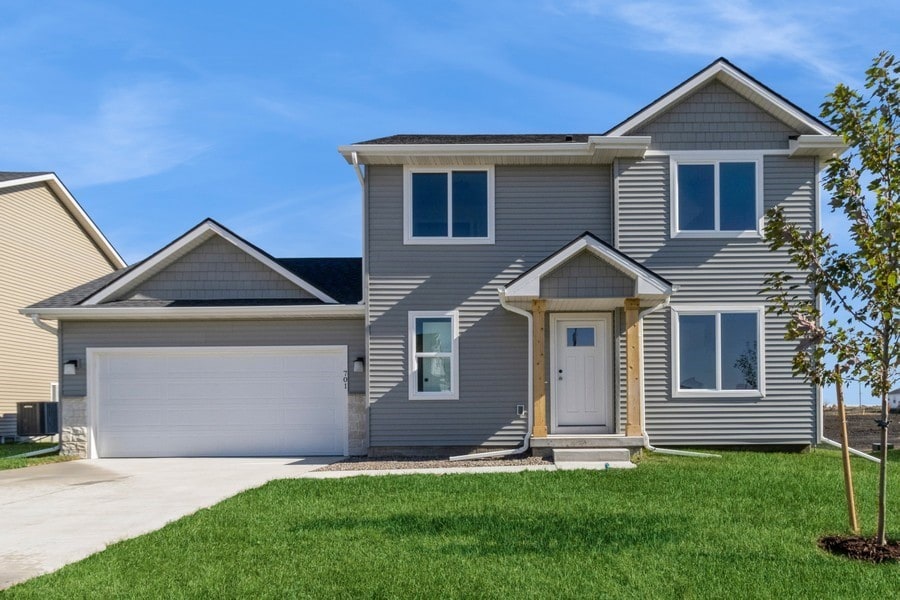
point(413, 365)
point(408, 237)
point(718, 310)
point(694, 158)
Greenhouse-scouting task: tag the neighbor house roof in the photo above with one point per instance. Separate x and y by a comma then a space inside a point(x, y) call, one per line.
point(15, 178)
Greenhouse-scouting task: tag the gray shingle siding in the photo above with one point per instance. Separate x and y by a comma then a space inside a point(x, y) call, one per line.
point(586, 276)
point(538, 210)
point(77, 336)
point(710, 272)
point(716, 118)
point(217, 270)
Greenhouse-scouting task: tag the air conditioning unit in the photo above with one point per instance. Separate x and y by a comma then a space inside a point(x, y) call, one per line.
point(37, 418)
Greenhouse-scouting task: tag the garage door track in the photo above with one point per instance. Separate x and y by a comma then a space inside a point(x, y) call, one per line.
point(60, 513)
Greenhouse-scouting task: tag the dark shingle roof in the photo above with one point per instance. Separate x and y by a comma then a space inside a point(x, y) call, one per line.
point(12, 175)
point(340, 278)
point(478, 138)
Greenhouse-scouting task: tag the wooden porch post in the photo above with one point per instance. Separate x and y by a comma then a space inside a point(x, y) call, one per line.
point(633, 375)
point(539, 423)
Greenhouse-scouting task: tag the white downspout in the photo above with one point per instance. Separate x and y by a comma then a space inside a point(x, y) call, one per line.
point(526, 443)
point(852, 451)
point(647, 445)
point(36, 319)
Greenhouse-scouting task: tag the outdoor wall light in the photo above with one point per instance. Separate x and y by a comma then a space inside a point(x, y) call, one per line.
point(70, 367)
point(359, 365)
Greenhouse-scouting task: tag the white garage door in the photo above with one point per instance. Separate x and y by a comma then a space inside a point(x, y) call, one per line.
point(234, 401)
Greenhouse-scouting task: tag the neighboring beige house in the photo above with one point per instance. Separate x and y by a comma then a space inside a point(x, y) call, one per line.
point(48, 244)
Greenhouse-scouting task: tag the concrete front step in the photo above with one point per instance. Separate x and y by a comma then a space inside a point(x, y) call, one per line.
point(590, 455)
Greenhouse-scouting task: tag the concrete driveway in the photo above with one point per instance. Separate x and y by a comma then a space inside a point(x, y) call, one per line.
point(56, 514)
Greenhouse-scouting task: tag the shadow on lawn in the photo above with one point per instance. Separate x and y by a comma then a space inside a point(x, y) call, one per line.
point(504, 534)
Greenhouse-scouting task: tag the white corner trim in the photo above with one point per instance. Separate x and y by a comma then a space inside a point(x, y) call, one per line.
point(409, 239)
point(69, 202)
point(412, 363)
point(207, 228)
point(718, 309)
point(728, 75)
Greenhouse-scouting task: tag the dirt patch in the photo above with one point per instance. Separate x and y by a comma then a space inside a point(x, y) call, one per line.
point(425, 462)
point(860, 548)
point(861, 428)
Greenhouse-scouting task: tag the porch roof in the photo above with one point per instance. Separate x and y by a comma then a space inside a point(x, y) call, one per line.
point(648, 285)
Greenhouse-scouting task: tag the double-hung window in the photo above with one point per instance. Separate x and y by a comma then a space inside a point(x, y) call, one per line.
point(718, 351)
point(448, 206)
point(717, 197)
point(433, 355)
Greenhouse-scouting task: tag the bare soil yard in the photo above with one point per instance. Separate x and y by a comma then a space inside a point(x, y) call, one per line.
point(861, 427)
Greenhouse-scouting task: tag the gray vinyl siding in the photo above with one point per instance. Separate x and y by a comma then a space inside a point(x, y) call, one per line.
point(716, 118)
point(709, 272)
point(216, 270)
point(586, 276)
point(77, 336)
point(537, 211)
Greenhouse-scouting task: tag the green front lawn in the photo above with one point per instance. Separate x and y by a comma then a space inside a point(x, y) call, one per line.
point(740, 527)
point(7, 450)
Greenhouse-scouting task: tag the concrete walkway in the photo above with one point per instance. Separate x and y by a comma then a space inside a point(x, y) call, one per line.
point(57, 514)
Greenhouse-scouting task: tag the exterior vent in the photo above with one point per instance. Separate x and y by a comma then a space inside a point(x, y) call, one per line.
point(37, 418)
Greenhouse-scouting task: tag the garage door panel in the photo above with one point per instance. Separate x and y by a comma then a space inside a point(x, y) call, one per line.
point(221, 402)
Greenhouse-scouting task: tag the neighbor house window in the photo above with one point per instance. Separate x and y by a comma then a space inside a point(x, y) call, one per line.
point(717, 197)
point(433, 355)
point(718, 352)
point(449, 206)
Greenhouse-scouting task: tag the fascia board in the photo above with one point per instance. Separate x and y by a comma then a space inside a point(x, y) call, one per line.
point(204, 229)
point(728, 74)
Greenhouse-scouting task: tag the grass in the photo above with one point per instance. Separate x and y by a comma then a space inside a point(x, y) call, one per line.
point(743, 526)
point(8, 450)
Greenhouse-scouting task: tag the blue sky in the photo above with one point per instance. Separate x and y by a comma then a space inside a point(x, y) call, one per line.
point(157, 114)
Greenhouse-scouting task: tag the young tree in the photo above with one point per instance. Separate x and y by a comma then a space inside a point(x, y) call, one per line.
point(859, 282)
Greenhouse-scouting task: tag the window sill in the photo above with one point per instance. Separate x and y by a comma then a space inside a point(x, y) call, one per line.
point(437, 241)
point(718, 394)
point(718, 234)
point(434, 396)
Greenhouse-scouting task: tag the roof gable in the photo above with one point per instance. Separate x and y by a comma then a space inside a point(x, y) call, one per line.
point(11, 179)
point(647, 283)
point(739, 81)
point(188, 242)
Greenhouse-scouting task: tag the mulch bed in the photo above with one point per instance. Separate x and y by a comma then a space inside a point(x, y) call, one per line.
point(860, 548)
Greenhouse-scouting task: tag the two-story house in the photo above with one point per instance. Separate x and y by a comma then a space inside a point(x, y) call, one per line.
point(559, 290)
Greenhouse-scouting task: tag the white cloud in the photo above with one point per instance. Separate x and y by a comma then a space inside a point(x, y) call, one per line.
point(735, 29)
point(131, 133)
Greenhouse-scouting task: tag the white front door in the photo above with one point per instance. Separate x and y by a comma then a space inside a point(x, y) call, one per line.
point(581, 387)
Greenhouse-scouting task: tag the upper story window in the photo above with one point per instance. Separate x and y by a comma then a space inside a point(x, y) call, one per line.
point(717, 197)
point(448, 206)
point(718, 351)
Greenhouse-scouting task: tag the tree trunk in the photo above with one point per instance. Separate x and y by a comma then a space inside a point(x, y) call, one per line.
point(845, 454)
point(882, 470)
